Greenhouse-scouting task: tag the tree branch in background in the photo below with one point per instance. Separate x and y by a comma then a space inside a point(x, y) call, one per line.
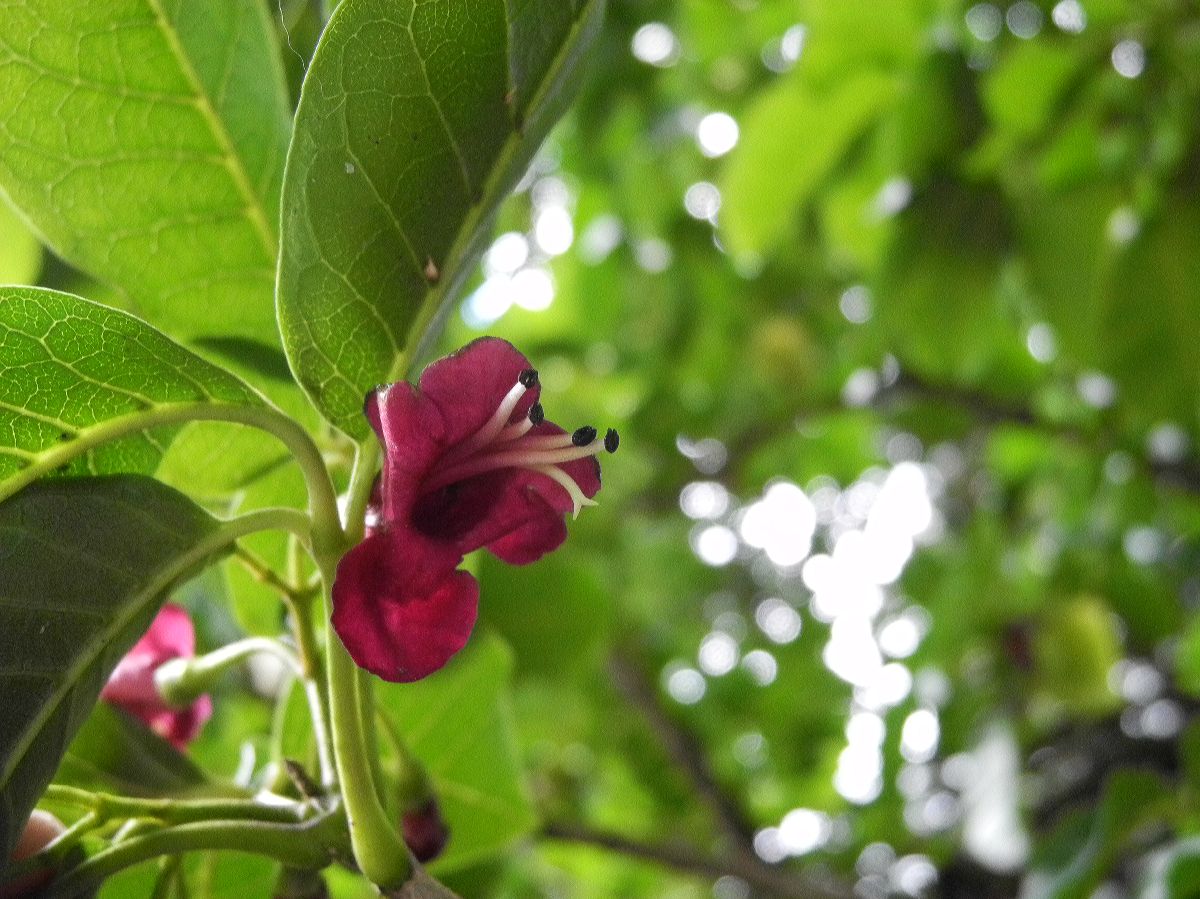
point(683, 748)
point(1182, 474)
point(771, 880)
point(687, 753)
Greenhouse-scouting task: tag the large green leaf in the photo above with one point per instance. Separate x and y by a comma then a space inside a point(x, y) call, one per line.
point(414, 122)
point(1023, 91)
point(85, 564)
point(459, 725)
point(952, 234)
point(75, 374)
point(1094, 289)
point(145, 141)
point(20, 252)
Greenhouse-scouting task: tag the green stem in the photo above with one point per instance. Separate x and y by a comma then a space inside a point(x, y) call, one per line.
point(279, 519)
point(62, 845)
point(299, 602)
point(365, 693)
point(310, 844)
point(174, 811)
point(378, 848)
point(362, 479)
point(289, 589)
point(322, 499)
point(318, 710)
point(182, 681)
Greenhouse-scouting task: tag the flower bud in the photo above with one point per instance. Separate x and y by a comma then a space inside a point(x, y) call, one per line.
point(425, 831)
point(41, 829)
point(133, 685)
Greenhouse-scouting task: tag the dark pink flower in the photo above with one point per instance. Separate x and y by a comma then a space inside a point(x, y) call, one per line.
point(131, 685)
point(469, 462)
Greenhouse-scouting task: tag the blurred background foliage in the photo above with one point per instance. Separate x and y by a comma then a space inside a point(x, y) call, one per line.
point(891, 590)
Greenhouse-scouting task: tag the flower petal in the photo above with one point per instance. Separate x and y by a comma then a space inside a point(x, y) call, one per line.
point(400, 607)
point(170, 636)
point(412, 432)
point(131, 685)
point(542, 532)
point(491, 507)
point(132, 682)
point(469, 385)
point(516, 513)
point(179, 726)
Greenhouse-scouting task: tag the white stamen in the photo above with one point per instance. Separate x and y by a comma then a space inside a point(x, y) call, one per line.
point(542, 455)
point(547, 441)
point(578, 500)
point(496, 423)
point(521, 457)
point(512, 432)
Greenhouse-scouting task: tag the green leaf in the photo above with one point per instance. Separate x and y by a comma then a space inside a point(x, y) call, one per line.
point(1074, 861)
point(85, 564)
point(1174, 873)
point(413, 125)
point(792, 137)
point(116, 753)
point(78, 379)
point(132, 883)
point(1093, 290)
point(20, 252)
point(255, 605)
point(1023, 92)
point(145, 141)
point(228, 875)
point(952, 234)
point(458, 723)
point(556, 615)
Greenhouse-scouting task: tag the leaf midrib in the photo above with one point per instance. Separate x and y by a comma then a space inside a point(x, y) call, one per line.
point(230, 158)
point(431, 303)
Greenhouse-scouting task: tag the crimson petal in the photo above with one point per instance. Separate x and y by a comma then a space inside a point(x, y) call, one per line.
point(467, 386)
point(400, 607)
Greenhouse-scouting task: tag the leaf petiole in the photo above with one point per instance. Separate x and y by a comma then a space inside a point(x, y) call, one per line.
point(322, 500)
point(106, 807)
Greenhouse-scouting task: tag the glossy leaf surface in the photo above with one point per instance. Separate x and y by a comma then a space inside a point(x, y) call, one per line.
point(412, 126)
point(165, 181)
point(74, 374)
point(84, 566)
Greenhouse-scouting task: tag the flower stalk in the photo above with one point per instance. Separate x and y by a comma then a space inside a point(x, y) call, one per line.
point(378, 849)
point(181, 681)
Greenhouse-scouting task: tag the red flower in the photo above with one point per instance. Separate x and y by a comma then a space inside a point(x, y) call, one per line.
point(469, 462)
point(131, 685)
